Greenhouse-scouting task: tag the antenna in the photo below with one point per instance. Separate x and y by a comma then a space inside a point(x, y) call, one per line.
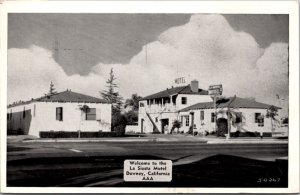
point(146, 54)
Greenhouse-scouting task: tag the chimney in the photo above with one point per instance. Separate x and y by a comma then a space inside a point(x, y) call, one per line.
point(194, 86)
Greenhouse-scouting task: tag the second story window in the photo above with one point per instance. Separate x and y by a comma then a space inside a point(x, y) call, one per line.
point(183, 100)
point(141, 104)
point(59, 113)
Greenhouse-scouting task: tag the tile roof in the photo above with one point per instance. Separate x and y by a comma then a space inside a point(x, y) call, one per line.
point(175, 90)
point(65, 96)
point(232, 102)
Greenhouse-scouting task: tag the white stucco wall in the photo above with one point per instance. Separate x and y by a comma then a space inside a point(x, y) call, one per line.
point(43, 117)
point(148, 126)
point(191, 100)
point(248, 121)
point(167, 111)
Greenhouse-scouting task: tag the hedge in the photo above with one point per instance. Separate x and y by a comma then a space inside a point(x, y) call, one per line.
point(15, 132)
point(75, 134)
point(250, 134)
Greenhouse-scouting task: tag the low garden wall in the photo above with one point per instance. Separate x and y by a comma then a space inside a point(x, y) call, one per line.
point(79, 134)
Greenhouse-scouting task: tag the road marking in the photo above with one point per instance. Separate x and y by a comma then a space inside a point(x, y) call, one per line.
point(74, 150)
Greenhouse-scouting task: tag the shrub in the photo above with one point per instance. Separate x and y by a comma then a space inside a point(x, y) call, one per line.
point(176, 124)
point(190, 131)
point(249, 134)
point(212, 133)
point(119, 130)
point(118, 119)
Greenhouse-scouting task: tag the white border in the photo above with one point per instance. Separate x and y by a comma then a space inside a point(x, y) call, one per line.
point(230, 7)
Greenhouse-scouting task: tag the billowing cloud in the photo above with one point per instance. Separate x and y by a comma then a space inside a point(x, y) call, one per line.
point(206, 49)
point(31, 70)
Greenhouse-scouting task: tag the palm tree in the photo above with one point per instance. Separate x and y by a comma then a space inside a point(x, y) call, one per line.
point(272, 113)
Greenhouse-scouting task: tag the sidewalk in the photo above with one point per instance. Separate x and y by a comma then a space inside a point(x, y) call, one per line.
point(246, 141)
point(169, 138)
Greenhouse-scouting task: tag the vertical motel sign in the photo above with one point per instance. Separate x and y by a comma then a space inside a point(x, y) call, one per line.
point(215, 90)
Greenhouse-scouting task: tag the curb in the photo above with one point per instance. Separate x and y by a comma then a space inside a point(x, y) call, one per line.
point(87, 141)
point(247, 142)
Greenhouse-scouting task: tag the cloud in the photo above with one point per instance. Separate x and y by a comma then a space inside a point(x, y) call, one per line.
point(31, 70)
point(206, 48)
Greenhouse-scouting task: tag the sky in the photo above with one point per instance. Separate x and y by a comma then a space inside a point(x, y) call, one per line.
point(247, 54)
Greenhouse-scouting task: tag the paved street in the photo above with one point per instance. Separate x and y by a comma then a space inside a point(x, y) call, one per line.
point(101, 164)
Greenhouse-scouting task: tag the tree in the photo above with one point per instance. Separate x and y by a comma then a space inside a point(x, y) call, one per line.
point(133, 102)
point(272, 113)
point(111, 95)
point(131, 117)
point(51, 89)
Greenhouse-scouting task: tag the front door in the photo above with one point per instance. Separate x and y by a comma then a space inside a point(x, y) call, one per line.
point(222, 127)
point(142, 125)
point(164, 125)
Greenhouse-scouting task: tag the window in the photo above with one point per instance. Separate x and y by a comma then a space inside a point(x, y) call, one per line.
point(183, 100)
point(7, 116)
point(187, 121)
point(59, 113)
point(156, 119)
point(212, 117)
point(202, 115)
point(91, 114)
point(167, 101)
point(259, 118)
point(261, 122)
point(141, 104)
point(239, 117)
point(257, 115)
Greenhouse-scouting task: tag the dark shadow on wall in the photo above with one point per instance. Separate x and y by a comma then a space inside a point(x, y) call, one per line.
point(19, 123)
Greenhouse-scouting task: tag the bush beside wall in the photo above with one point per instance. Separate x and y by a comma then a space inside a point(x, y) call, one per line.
point(15, 132)
point(249, 134)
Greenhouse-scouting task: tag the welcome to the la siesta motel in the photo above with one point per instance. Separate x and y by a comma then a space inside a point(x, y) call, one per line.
point(201, 111)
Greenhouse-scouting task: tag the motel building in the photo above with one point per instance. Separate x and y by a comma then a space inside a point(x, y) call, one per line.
point(158, 111)
point(64, 111)
point(241, 116)
point(196, 111)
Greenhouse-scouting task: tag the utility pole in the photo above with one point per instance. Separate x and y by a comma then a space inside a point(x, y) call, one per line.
point(214, 91)
point(229, 118)
point(215, 106)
